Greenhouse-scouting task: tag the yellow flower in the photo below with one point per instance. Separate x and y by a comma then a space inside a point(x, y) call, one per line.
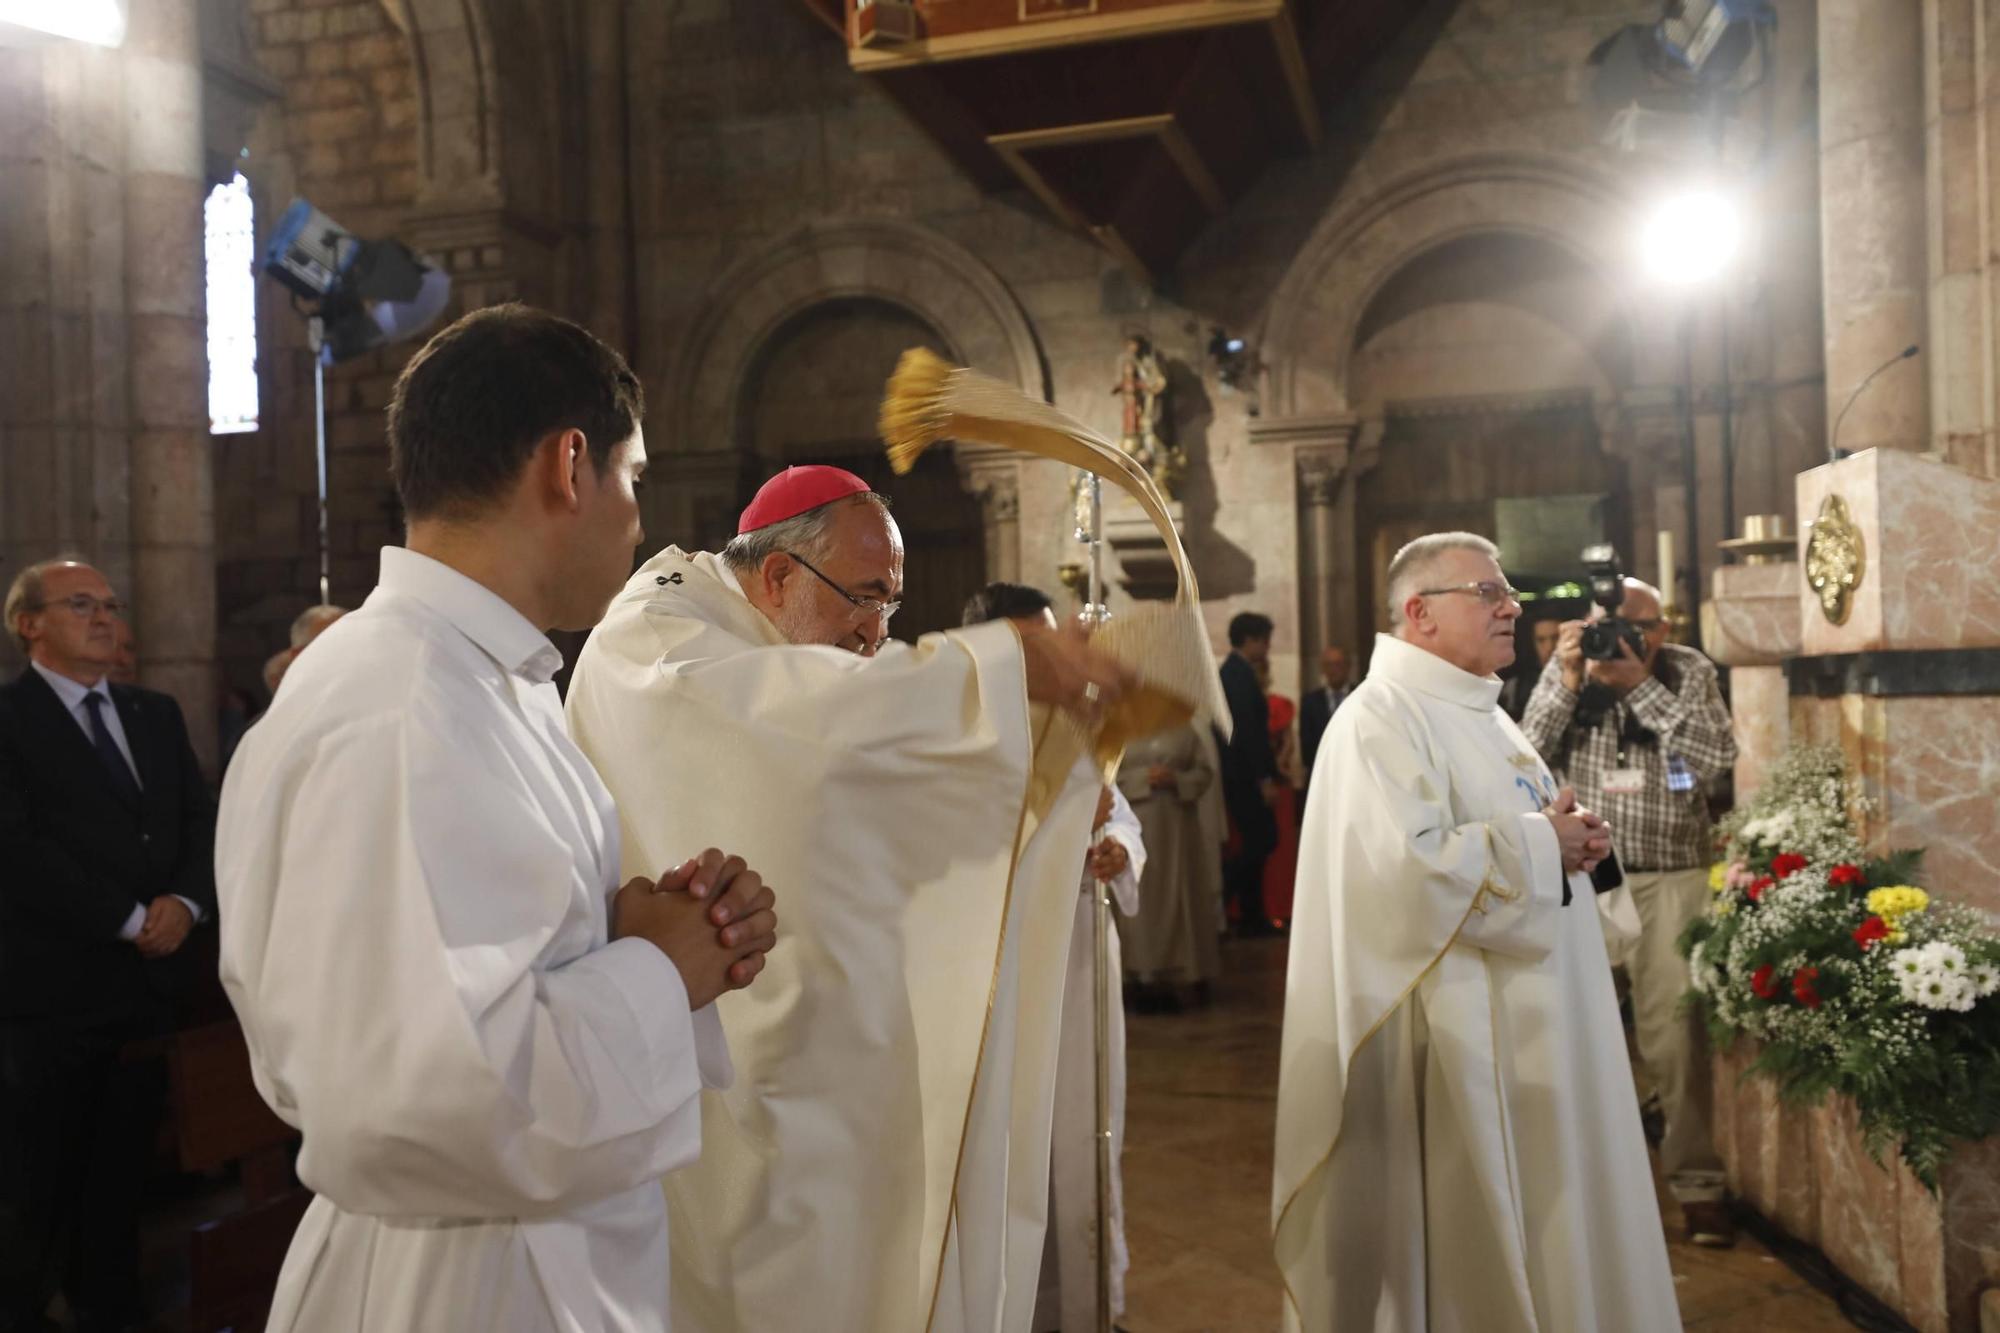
point(1718, 875)
point(1725, 907)
point(1897, 900)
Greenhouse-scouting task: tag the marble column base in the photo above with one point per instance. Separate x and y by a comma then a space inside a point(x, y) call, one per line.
point(1931, 1257)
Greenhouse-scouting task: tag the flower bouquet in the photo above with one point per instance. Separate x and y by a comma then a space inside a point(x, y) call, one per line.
point(1853, 979)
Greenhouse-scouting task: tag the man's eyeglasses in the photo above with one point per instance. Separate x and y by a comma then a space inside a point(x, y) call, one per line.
point(84, 606)
point(1488, 592)
point(867, 606)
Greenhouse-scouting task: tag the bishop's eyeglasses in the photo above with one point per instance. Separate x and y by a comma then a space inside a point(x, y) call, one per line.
point(866, 606)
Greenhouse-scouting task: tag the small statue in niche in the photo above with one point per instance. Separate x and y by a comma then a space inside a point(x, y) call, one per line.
point(1142, 384)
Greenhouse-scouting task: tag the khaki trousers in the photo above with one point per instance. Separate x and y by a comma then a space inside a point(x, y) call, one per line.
point(1672, 1044)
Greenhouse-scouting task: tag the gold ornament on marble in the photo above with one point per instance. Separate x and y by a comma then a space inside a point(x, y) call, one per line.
point(1835, 560)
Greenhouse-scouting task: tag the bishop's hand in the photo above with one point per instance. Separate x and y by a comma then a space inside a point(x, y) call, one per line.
point(1063, 669)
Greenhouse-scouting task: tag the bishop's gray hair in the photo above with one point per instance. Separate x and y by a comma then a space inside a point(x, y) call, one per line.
point(808, 535)
point(1412, 567)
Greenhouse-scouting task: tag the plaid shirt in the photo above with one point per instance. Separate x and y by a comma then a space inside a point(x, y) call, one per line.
point(1665, 826)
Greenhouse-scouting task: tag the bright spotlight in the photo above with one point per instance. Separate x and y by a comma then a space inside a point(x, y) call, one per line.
point(99, 22)
point(1691, 238)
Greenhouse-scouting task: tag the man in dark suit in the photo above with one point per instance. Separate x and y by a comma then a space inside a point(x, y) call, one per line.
point(1249, 771)
point(1316, 709)
point(107, 834)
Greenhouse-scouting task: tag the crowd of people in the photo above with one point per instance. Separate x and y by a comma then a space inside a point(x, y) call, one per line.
point(493, 962)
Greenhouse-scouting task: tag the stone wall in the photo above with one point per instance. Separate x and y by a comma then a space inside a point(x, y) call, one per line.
point(343, 135)
point(645, 167)
point(103, 433)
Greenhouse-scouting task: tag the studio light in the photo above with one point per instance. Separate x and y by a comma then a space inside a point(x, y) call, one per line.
point(361, 295)
point(1691, 237)
point(99, 22)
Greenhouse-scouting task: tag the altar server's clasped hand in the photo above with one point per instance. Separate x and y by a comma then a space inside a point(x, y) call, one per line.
point(711, 915)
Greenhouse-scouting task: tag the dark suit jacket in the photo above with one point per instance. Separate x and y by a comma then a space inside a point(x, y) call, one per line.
point(1248, 761)
point(1314, 713)
point(77, 855)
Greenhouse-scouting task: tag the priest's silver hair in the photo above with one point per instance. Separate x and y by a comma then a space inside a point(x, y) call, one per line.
point(311, 621)
point(1413, 565)
point(808, 535)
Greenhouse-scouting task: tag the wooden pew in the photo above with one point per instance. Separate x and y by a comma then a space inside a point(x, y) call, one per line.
point(218, 1118)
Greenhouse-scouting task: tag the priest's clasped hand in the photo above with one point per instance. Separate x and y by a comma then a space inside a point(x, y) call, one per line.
point(1584, 836)
point(1063, 669)
point(712, 916)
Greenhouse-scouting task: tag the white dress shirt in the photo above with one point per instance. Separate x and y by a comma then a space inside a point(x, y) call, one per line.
point(415, 865)
point(73, 693)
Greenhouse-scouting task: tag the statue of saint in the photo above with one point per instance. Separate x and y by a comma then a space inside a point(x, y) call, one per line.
point(1142, 384)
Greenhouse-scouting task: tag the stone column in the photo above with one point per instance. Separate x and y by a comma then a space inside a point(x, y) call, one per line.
point(1793, 411)
point(1322, 449)
point(173, 504)
point(996, 484)
point(1871, 120)
point(1956, 190)
point(63, 343)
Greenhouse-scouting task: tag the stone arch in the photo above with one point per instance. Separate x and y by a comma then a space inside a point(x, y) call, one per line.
point(1311, 332)
point(904, 265)
point(458, 103)
point(700, 430)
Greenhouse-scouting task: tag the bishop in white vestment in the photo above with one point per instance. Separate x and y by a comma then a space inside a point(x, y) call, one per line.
point(881, 1163)
point(1458, 1147)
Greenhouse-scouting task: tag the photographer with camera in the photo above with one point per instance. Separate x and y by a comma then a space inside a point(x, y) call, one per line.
point(1638, 727)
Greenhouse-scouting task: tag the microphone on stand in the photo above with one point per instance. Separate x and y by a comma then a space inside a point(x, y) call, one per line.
point(1833, 454)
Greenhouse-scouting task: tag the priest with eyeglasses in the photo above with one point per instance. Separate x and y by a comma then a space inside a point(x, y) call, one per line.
point(882, 1159)
point(1457, 1143)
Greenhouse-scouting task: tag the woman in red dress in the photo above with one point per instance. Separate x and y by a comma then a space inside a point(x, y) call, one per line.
point(1281, 869)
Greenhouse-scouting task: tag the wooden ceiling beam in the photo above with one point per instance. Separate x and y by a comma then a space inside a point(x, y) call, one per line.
point(1050, 34)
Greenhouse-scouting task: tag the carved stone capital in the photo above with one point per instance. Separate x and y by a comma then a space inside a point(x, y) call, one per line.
point(1333, 432)
point(1320, 471)
point(999, 496)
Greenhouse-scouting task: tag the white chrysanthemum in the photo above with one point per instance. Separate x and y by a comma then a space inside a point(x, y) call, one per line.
point(1945, 957)
point(1986, 979)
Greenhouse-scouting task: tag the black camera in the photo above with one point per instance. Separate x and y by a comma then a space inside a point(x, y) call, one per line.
point(1607, 588)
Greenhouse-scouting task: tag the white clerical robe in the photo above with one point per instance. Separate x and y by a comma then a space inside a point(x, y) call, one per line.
point(1068, 1297)
point(882, 1163)
point(414, 865)
point(1458, 1147)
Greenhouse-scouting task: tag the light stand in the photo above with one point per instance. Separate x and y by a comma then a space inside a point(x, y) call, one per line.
point(1095, 613)
point(363, 295)
point(316, 340)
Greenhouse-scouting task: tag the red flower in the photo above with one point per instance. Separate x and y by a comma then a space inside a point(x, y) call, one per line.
point(1845, 876)
point(1871, 930)
point(1757, 887)
point(1786, 864)
point(1760, 982)
point(1802, 987)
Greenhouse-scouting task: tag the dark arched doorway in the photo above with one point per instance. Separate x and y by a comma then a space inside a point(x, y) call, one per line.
point(813, 395)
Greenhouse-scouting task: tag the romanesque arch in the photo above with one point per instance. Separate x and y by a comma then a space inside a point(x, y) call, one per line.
point(900, 263)
point(701, 429)
point(1311, 331)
